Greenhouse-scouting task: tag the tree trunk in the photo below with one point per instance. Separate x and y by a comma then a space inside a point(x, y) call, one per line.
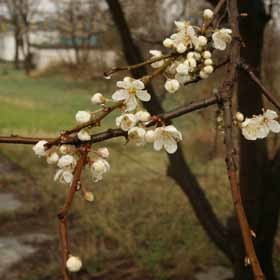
point(258, 190)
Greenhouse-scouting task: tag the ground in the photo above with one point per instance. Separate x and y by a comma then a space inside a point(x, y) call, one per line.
point(140, 226)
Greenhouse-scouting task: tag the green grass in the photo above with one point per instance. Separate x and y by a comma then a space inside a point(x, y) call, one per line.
point(42, 104)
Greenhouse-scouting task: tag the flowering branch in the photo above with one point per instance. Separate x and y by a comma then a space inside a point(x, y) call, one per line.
point(62, 215)
point(113, 133)
point(191, 59)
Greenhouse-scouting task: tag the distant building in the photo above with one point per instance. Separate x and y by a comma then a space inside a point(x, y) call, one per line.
point(50, 48)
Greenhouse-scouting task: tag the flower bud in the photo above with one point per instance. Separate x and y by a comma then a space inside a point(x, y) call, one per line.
point(208, 14)
point(168, 43)
point(172, 85)
point(208, 61)
point(63, 149)
point(202, 40)
point(98, 99)
point(73, 264)
point(181, 48)
point(40, 148)
point(182, 69)
point(206, 54)
point(52, 158)
point(203, 75)
point(208, 69)
point(103, 152)
point(143, 116)
point(83, 135)
point(89, 196)
point(190, 55)
point(83, 116)
point(239, 117)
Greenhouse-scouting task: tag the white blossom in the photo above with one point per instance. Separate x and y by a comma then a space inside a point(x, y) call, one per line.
point(137, 135)
point(208, 61)
point(83, 135)
point(208, 14)
point(172, 85)
point(126, 121)
point(52, 158)
point(222, 38)
point(209, 69)
point(64, 176)
point(239, 117)
point(73, 264)
point(98, 99)
point(168, 43)
point(206, 54)
point(130, 90)
point(83, 117)
point(167, 137)
point(270, 121)
point(258, 127)
point(183, 68)
point(254, 128)
point(184, 39)
point(156, 54)
point(150, 136)
point(202, 41)
point(40, 148)
point(98, 168)
point(203, 75)
point(67, 161)
point(182, 79)
point(143, 116)
point(64, 149)
point(103, 152)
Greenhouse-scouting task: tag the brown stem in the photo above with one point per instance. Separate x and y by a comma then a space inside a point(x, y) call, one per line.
point(135, 66)
point(266, 93)
point(226, 93)
point(62, 215)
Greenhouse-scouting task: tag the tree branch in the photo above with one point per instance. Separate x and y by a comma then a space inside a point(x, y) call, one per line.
point(266, 93)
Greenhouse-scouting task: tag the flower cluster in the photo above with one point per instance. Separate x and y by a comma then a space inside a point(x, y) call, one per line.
point(258, 127)
point(194, 46)
point(65, 158)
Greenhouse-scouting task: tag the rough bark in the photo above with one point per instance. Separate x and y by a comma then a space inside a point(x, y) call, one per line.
point(258, 189)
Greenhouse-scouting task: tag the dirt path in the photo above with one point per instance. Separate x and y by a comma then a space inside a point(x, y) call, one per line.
point(14, 247)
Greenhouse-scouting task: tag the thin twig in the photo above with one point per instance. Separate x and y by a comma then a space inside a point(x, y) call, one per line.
point(135, 66)
point(266, 93)
point(62, 215)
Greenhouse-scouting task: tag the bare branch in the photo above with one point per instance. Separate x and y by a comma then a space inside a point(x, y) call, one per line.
point(265, 91)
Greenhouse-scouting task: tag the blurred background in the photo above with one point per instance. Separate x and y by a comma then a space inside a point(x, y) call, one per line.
point(142, 224)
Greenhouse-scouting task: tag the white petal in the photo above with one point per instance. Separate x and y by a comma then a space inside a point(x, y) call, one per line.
point(274, 126)
point(124, 84)
point(143, 95)
point(131, 103)
point(137, 84)
point(170, 145)
point(262, 132)
point(220, 44)
point(158, 143)
point(269, 114)
point(121, 94)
